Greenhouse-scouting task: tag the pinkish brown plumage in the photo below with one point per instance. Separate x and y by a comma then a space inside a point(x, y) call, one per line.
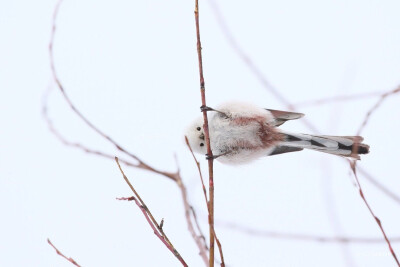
point(242, 132)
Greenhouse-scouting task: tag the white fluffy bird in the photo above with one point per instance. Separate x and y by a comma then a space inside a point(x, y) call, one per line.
point(242, 132)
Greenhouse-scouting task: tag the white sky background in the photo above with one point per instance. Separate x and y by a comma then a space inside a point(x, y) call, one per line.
point(131, 68)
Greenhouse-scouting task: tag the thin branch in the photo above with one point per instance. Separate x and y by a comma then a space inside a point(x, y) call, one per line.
point(242, 54)
point(303, 237)
point(219, 248)
point(201, 234)
point(71, 260)
point(207, 139)
point(60, 86)
point(198, 169)
point(335, 99)
point(376, 106)
point(199, 239)
point(85, 149)
point(158, 231)
point(206, 200)
point(251, 65)
point(354, 168)
point(378, 221)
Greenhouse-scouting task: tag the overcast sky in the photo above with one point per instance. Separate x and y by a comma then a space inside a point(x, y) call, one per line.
point(131, 68)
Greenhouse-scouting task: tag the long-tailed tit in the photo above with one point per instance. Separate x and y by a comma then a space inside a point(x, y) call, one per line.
point(241, 132)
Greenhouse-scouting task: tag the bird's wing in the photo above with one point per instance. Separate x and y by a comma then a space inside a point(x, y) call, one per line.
point(283, 116)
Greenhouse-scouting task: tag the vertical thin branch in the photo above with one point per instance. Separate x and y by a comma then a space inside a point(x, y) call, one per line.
point(206, 200)
point(207, 139)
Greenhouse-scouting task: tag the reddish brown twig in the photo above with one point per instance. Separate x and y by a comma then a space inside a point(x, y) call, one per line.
point(375, 107)
point(378, 221)
point(201, 234)
point(198, 169)
point(189, 210)
point(205, 198)
point(158, 231)
point(353, 168)
point(303, 237)
point(207, 139)
point(71, 260)
point(219, 249)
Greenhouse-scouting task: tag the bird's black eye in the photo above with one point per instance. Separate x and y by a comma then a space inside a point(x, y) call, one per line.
point(201, 144)
point(198, 128)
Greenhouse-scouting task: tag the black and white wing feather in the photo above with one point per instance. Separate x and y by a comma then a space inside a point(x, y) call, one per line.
point(280, 116)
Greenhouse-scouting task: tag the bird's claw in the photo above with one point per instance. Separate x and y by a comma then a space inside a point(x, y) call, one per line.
point(206, 108)
point(208, 157)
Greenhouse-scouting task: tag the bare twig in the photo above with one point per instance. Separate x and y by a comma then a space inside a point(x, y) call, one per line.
point(79, 146)
point(206, 200)
point(140, 163)
point(201, 234)
point(378, 221)
point(303, 237)
point(207, 139)
point(251, 65)
point(158, 231)
point(335, 99)
point(71, 260)
point(219, 248)
point(353, 167)
point(376, 106)
point(198, 238)
point(242, 54)
point(199, 170)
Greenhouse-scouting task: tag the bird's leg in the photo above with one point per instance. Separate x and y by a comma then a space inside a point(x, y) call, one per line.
point(207, 108)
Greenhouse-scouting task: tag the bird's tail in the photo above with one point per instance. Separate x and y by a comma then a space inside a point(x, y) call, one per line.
point(345, 146)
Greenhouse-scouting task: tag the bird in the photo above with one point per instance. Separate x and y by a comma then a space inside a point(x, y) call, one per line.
point(242, 132)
